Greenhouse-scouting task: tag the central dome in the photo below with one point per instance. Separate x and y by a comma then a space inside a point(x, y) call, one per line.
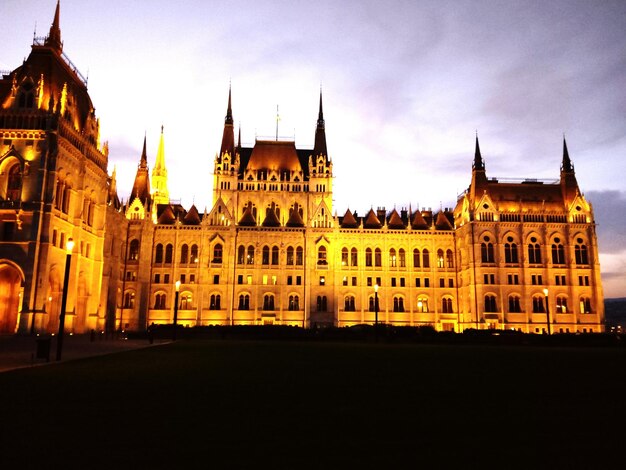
point(274, 155)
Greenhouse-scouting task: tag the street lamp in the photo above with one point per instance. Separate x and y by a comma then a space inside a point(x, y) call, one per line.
point(176, 309)
point(376, 311)
point(545, 293)
point(69, 246)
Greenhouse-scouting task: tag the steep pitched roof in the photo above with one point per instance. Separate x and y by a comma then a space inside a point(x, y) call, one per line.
point(442, 222)
point(294, 219)
point(349, 221)
point(271, 219)
point(247, 219)
point(395, 221)
point(418, 222)
point(167, 217)
point(320, 133)
point(371, 220)
point(141, 186)
point(192, 217)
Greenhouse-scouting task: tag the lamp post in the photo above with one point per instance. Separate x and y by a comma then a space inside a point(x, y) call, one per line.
point(176, 310)
point(376, 311)
point(545, 293)
point(69, 246)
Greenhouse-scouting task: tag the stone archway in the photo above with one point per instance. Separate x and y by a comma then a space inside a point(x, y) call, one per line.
point(10, 297)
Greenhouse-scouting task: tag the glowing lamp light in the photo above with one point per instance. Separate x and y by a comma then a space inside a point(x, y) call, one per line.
point(177, 286)
point(69, 246)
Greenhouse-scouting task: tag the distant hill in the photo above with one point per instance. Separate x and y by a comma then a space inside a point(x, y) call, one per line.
point(615, 312)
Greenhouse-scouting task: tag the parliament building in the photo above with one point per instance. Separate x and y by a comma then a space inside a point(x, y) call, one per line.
point(517, 255)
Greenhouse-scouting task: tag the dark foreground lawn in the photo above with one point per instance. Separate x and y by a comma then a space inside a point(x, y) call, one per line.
point(238, 404)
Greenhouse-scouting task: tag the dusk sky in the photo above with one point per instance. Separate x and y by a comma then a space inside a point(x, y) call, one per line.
point(406, 86)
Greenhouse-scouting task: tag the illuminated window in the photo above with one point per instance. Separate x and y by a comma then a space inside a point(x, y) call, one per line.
point(514, 304)
point(440, 258)
point(133, 250)
point(392, 258)
point(250, 257)
point(14, 183)
point(561, 304)
point(268, 302)
point(294, 303)
point(159, 301)
point(538, 306)
point(129, 299)
point(344, 256)
point(490, 303)
point(185, 301)
point(184, 254)
point(422, 304)
point(217, 253)
point(585, 305)
point(244, 302)
point(321, 256)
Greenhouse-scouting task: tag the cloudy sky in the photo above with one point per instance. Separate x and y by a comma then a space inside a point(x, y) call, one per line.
point(406, 84)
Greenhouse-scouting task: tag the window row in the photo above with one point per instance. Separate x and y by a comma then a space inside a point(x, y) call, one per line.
point(538, 304)
point(557, 250)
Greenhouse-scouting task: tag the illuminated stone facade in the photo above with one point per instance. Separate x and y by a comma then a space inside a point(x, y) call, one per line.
point(271, 250)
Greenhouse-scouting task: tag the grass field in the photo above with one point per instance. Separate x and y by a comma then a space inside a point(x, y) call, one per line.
point(247, 404)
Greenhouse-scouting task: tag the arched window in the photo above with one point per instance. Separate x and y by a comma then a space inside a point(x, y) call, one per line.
point(490, 303)
point(398, 304)
point(169, 249)
point(534, 251)
point(241, 254)
point(322, 305)
point(486, 251)
point(514, 304)
point(244, 302)
point(65, 205)
point(133, 250)
point(321, 256)
point(416, 258)
point(268, 302)
point(377, 257)
point(217, 253)
point(129, 299)
point(184, 254)
point(368, 257)
point(159, 301)
point(510, 252)
point(581, 252)
point(393, 260)
point(344, 256)
point(440, 258)
point(158, 254)
point(250, 258)
point(449, 259)
point(538, 306)
point(585, 305)
point(446, 305)
point(425, 258)
point(193, 258)
point(58, 195)
point(290, 258)
point(294, 303)
point(185, 301)
point(14, 183)
point(561, 304)
point(422, 304)
point(299, 256)
point(372, 304)
point(215, 302)
point(558, 252)
point(354, 257)
point(349, 303)
point(275, 255)
point(265, 256)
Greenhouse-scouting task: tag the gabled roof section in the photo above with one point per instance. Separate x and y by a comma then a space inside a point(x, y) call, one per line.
point(371, 220)
point(418, 222)
point(395, 221)
point(442, 222)
point(349, 221)
point(219, 215)
point(192, 217)
point(271, 219)
point(167, 217)
point(295, 220)
point(274, 155)
point(247, 219)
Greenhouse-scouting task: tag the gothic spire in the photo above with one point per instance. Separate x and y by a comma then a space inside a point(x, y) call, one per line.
point(141, 186)
point(567, 163)
point(160, 194)
point(320, 133)
point(228, 138)
point(54, 36)
point(478, 159)
point(143, 162)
